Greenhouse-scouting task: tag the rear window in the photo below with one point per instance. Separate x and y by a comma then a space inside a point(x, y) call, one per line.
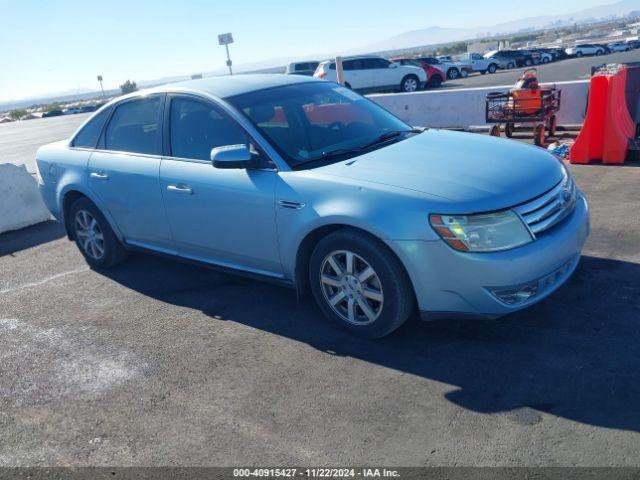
point(134, 127)
point(90, 133)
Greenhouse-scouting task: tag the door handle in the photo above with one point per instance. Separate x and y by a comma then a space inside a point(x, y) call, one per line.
point(99, 175)
point(185, 189)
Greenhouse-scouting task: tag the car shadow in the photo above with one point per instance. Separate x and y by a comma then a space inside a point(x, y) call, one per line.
point(15, 241)
point(575, 355)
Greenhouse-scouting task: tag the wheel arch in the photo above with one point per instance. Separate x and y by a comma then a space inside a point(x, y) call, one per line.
point(73, 193)
point(311, 239)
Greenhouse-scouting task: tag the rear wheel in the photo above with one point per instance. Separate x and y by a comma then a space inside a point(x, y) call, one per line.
point(410, 83)
point(598, 53)
point(528, 62)
point(508, 129)
point(511, 65)
point(578, 54)
point(545, 60)
point(359, 284)
point(495, 131)
point(464, 73)
point(93, 235)
point(453, 73)
point(552, 125)
point(538, 135)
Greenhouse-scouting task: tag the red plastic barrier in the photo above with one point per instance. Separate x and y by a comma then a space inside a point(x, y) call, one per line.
point(590, 142)
point(619, 126)
point(608, 126)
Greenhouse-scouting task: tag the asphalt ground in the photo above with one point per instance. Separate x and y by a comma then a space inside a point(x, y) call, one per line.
point(161, 363)
point(560, 71)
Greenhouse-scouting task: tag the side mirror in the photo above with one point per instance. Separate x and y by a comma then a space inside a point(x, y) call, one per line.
point(232, 156)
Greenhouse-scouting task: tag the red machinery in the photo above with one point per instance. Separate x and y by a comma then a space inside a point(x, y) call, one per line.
point(526, 102)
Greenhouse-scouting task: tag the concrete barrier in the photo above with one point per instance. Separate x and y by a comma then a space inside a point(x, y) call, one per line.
point(463, 108)
point(20, 201)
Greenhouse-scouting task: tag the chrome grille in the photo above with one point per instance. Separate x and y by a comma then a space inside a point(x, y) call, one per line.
point(547, 210)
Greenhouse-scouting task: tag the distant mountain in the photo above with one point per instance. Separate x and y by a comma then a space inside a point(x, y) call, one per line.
point(438, 35)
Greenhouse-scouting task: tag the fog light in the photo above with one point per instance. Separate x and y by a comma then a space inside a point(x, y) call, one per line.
point(517, 295)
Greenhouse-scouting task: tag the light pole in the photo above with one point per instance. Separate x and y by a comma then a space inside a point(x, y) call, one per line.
point(225, 39)
point(101, 87)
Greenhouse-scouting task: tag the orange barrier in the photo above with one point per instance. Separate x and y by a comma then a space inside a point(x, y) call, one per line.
point(608, 127)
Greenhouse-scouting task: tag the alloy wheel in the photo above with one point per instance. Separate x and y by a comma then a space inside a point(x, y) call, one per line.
point(89, 234)
point(410, 85)
point(351, 287)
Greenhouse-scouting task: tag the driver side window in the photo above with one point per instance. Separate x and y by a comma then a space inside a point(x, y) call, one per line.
point(197, 127)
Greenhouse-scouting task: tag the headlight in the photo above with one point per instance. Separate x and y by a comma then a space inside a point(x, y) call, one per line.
point(486, 232)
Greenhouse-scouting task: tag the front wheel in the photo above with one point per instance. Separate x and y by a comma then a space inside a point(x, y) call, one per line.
point(511, 65)
point(453, 73)
point(528, 63)
point(93, 235)
point(410, 83)
point(492, 68)
point(579, 54)
point(359, 284)
point(435, 81)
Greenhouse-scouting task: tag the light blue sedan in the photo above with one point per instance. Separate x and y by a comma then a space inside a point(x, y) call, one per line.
point(308, 184)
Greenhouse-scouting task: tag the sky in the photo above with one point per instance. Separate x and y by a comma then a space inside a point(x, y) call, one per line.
point(62, 45)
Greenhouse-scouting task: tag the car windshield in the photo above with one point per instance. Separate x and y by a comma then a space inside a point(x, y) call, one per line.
point(319, 122)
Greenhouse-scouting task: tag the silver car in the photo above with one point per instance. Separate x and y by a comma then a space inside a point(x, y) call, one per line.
point(308, 184)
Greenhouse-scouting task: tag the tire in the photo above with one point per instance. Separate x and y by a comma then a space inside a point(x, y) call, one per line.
point(410, 83)
point(578, 54)
point(464, 73)
point(511, 66)
point(495, 131)
point(538, 135)
point(96, 241)
point(453, 73)
point(598, 53)
point(483, 72)
point(492, 68)
point(435, 81)
point(508, 130)
point(552, 126)
point(528, 62)
point(390, 300)
point(545, 60)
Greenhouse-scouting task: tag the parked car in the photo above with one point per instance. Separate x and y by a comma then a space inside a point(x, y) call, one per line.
point(452, 70)
point(53, 113)
point(559, 53)
point(584, 49)
point(511, 58)
point(633, 43)
point(308, 184)
point(435, 76)
point(374, 74)
point(535, 55)
point(302, 68)
point(540, 55)
point(87, 108)
point(619, 47)
point(72, 110)
point(477, 63)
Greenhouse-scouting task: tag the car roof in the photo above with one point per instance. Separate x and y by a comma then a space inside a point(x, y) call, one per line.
point(231, 85)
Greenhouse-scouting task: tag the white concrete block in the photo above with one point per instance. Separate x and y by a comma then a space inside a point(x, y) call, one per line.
point(20, 201)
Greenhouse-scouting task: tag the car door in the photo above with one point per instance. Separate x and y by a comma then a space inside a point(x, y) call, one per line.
point(222, 216)
point(356, 75)
point(124, 171)
point(382, 74)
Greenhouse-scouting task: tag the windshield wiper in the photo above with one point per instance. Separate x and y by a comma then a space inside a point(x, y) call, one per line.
point(339, 152)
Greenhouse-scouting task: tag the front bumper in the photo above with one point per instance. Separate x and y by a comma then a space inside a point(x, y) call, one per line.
point(452, 283)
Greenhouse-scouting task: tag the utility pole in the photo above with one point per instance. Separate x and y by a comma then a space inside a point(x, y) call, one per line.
point(101, 87)
point(225, 39)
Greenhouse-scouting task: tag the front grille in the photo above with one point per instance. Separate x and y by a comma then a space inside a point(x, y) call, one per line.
point(551, 208)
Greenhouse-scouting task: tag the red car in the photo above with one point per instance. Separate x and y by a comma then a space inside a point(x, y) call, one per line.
point(435, 76)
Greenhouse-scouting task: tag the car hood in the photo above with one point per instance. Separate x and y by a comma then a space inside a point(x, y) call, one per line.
point(474, 173)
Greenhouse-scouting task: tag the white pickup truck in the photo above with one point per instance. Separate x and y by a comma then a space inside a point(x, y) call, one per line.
point(477, 63)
